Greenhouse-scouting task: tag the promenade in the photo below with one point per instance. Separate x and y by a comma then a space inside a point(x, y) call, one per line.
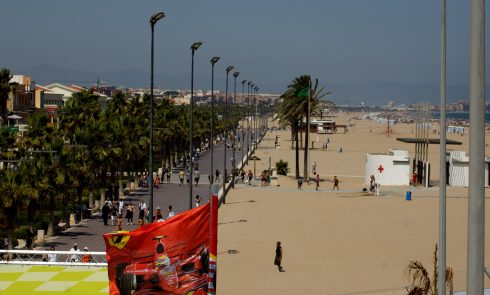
point(88, 233)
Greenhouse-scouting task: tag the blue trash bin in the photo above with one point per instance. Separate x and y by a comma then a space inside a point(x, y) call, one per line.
point(408, 196)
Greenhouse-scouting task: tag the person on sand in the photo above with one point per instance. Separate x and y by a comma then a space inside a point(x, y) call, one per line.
point(335, 183)
point(278, 258)
point(300, 183)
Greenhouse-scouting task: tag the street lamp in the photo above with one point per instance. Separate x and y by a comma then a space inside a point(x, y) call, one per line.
point(194, 47)
point(255, 116)
point(225, 176)
point(249, 137)
point(243, 125)
point(214, 60)
point(235, 75)
point(153, 20)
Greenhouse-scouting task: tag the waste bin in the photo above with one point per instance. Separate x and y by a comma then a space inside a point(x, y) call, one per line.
point(408, 196)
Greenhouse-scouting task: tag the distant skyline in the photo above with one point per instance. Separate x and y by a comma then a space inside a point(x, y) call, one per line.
point(372, 51)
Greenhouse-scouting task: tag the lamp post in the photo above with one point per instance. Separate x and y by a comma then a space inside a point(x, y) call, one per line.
point(476, 187)
point(243, 125)
point(255, 116)
point(214, 60)
point(251, 116)
point(235, 75)
point(153, 20)
point(225, 176)
point(194, 47)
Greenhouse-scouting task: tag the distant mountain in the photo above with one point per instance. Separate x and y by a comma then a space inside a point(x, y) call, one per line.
point(371, 92)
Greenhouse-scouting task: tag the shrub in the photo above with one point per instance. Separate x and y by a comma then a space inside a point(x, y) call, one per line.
point(282, 167)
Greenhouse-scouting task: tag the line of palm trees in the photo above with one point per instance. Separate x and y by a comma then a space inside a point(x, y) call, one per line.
point(302, 95)
point(56, 168)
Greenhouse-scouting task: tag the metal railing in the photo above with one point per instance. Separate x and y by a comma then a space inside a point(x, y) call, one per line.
point(53, 258)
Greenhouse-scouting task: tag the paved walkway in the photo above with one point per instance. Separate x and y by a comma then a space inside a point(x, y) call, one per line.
point(88, 233)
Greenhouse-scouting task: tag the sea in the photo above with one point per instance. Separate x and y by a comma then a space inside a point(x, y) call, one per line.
point(460, 116)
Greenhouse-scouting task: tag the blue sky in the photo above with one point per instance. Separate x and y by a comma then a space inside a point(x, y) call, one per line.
point(270, 42)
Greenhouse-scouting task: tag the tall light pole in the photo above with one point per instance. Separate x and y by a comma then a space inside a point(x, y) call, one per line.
point(252, 117)
point(194, 47)
point(249, 117)
point(441, 283)
point(255, 114)
point(233, 161)
point(476, 190)
point(225, 176)
point(153, 20)
point(214, 60)
point(243, 126)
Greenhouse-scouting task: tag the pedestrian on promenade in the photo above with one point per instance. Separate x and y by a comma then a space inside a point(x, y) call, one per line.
point(262, 179)
point(169, 173)
point(278, 258)
point(300, 182)
point(181, 177)
point(119, 222)
point(242, 176)
point(52, 257)
point(217, 174)
point(105, 212)
point(75, 257)
point(156, 181)
point(113, 212)
point(317, 181)
point(141, 222)
point(197, 176)
point(198, 201)
point(129, 214)
point(171, 212)
point(158, 215)
point(313, 168)
point(250, 176)
point(335, 183)
point(86, 258)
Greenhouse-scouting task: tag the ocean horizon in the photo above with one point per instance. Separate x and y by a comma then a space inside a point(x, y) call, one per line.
point(462, 116)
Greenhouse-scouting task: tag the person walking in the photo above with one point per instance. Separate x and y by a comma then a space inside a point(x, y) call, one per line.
point(313, 168)
point(278, 257)
point(105, 212)
point(113, 212)
point(198, 201)
point(156, 181)
point(300, 183)
point(335, 183)
point(169, 173)
point(181, 177)
point(217, 175)
point(317, 181)
point(250, 176)
point(197, 176)
point(129, 214)
point(75, 257)
point(171, 212)
point(119, 222)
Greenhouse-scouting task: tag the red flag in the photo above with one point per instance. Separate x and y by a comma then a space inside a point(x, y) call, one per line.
point(170, 257)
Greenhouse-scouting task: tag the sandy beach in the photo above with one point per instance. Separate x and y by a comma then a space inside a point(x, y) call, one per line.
point(345, 242)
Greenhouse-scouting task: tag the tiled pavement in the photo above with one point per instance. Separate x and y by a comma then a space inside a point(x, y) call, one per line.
point(88, 233)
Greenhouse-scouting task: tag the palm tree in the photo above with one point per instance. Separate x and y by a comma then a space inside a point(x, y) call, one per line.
point(421, 283)
point(302, 95)
point(5, 88)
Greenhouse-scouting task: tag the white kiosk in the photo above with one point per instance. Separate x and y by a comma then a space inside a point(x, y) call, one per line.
point(457, 169)
point(392, 168)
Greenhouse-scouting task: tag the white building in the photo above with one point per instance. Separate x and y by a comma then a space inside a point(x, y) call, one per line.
point(392, 168)
point(458, 168)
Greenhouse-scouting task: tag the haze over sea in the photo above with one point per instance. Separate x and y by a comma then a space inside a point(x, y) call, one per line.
point(463, 116)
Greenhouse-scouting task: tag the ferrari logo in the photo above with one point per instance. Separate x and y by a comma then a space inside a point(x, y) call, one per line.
point(119, 241)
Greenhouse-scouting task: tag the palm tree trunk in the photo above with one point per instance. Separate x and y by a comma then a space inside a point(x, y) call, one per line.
point(50, 231)
point(305, 168)
point(120, 183)
point(297, 149)
point(292, 135)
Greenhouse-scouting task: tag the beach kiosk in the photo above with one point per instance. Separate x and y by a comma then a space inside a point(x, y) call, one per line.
point(457, 169)
point(392, 168)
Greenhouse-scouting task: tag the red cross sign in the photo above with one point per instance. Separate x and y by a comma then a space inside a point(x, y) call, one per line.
point(380, 168)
